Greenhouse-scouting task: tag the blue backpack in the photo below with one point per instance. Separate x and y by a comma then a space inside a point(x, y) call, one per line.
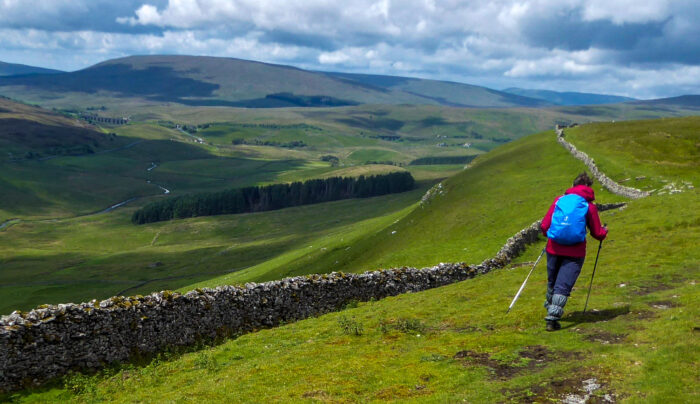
point(569, 220)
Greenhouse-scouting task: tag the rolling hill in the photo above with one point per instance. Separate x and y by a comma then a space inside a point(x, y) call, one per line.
point(211, 81)
point(568, 97)
point(49, 195)
point(690, 101)
point(442, 92)
point(34, 145)
point(29, 129)
point(637, 342)
point(14, 69)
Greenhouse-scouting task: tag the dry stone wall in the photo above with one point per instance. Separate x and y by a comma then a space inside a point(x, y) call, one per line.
point(49, 341)
point(610, 185)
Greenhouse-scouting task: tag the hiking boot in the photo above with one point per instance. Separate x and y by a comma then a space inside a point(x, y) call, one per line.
point(553, 325)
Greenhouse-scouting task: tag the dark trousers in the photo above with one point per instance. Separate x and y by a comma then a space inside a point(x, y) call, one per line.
point(562, 273)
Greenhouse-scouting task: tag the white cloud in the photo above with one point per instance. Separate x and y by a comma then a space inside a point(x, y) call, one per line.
point(145, 15)
point(551, 67)
point(579, 64)
point(491, 42)
point(352, 56)
point(333, 57)
point(509, 16)
point(626, 11)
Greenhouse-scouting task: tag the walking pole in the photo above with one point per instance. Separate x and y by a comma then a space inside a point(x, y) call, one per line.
point(523, 285)
point(592, 275)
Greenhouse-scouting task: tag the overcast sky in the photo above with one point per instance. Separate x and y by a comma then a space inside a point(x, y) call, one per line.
point(638, 48)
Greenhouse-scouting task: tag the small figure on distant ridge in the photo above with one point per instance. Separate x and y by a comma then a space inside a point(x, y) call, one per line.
point(565, 227)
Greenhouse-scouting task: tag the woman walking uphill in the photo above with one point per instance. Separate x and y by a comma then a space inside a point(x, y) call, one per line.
point(565, 227)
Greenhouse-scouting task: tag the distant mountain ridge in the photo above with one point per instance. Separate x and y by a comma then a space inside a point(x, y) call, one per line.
point(448, 93)
point(14, 69)
point(216, 81)
point(569, 97)
point(690, 100)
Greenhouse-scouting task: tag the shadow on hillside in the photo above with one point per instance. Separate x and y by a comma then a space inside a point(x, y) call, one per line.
point(591, 316)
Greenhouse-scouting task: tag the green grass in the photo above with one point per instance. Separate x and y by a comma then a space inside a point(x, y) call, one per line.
point(55, 253)
point(77, 185)
point(47, 257)
point(660, 150)
point(225, 133)
point(437, 171)
point(639, 339)
point(50, 189)
point(99, 256)
point(365, 155)
point(70, 186)
point(469, 222)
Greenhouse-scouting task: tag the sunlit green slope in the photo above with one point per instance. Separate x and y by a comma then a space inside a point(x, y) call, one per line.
point(95, 257)
point(468, 218)
point(638, 343)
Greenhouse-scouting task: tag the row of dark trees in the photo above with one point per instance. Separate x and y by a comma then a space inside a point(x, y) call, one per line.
point(442, 160)
point(271, 197)
point(261, 142)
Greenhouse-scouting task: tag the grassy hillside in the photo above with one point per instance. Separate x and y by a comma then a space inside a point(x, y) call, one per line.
point(85, 257)
point(56, 166)
point(56, 246)
point(27, 128)
point(468, 218)
point(14, 69)
point(651, 155)
point(442, 92)
point(40, 172)
point(149, 156)
point(568, 97)
point(210, 81)
point(691, 101)
point(100, 256)
point(637, 343)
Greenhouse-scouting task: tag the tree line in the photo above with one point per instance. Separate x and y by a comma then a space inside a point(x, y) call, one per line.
point(271, 197)
point(261, 142)
point(442, 160)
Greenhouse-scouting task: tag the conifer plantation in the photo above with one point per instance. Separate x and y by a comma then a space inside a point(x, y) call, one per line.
point(272, 197)
point(442, 160)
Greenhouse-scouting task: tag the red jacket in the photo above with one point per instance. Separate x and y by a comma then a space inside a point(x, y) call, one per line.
point(592, 221)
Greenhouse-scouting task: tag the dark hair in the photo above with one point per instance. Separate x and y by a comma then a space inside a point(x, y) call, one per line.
point(583, 179)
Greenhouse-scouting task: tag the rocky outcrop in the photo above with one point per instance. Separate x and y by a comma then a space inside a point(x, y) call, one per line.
point(604, 180)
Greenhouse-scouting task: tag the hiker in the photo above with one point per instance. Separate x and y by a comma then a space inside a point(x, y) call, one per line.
point(565, 227)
